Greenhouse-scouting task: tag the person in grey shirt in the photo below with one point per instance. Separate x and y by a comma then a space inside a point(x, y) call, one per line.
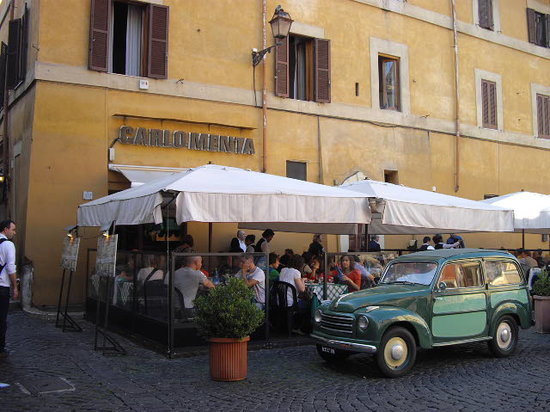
point(188, 279)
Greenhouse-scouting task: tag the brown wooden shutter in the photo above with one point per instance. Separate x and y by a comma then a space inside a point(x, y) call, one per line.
point(489, 104)
point(547, 23)
point(99, 35)
point(24, 45)
point(322, 71)
point(14, 38)
point(485, 13)
point(157, 65)
point(281, 69)
point(543, 115)
point(531, 26)
point(3, 63)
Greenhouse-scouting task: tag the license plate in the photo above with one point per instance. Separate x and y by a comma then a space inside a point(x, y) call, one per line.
point(328, 350)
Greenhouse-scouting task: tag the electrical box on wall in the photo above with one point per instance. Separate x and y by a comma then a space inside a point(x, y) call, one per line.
point(87, 195)
point(144, 84)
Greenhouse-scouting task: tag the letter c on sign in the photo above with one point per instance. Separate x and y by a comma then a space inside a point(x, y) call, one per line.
point(123, 133)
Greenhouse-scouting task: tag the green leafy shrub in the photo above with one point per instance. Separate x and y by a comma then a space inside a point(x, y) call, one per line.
point(228, 311)
point(541, 286)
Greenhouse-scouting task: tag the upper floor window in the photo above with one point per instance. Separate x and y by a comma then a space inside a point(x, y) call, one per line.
point(389, 88)
point(302, 69)
point(538, 27)
point(129, 38)
point(485, 14)
point(543, 115)
point(489, 104)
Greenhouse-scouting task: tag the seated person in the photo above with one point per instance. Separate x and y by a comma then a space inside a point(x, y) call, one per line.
point(273, 266)
point(292, 275)
point(347, 275)
point(150, 270)
point(367, 280)
point(188, 278)
point(254, 277)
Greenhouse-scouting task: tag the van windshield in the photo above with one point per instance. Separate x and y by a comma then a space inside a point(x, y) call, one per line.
point(421, 273)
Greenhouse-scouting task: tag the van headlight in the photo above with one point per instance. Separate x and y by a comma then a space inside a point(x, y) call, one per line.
point(317, 316)
point(362, 322)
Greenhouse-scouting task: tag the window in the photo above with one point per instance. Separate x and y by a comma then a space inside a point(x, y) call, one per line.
point(388, 76)
point(538, 28)
point(391, 176)
point(485, 14)
point(129, 38)
point(501, 273)
point(543, 115)
point(296, 170)
point(461, 275)
point(489, 104)
point(17, 50)
point(302, 69)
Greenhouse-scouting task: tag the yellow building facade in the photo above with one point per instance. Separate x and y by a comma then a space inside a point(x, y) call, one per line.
point(400, 77)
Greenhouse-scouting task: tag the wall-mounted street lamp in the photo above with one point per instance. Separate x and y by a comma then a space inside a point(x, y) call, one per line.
point(280, 27)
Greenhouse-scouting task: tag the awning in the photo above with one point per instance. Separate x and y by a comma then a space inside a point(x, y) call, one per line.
point(138, 175)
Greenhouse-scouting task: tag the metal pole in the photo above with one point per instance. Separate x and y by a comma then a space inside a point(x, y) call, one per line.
point(67, 299)
point(60, 298)
point(325, 277)
point(266, 299)
point(171, 303)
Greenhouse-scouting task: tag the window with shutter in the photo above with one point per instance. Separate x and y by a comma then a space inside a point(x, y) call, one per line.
point(24, 45)
point(543, 115)
point(538, 28)
point(281, 69)
point(129, 38)
point(99, 35)
point(14, 61)
point(3, 65)
point(158, 42)
point(485, 14)
point(389, 85)
point(489, 104)
point(322, 71)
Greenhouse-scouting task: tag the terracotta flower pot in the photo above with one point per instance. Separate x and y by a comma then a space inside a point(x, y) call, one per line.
point(228, 359)
point(542, 313)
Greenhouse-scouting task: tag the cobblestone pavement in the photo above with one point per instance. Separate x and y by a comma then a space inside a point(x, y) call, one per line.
point(51, 370)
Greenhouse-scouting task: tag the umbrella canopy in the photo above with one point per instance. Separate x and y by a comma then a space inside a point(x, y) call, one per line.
point(405, 210)
point(213, 193)
point(531, 210)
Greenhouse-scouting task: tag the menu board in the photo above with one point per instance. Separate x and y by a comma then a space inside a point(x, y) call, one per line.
point(106, 255)
point(70, 253)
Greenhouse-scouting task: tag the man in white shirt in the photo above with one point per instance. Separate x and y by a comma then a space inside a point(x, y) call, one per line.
point(188, 279)
point(237, 243)
point(8, 278)
point(254, 277)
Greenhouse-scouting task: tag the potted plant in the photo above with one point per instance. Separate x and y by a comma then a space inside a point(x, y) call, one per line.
point(541, 297)
point(226, 317)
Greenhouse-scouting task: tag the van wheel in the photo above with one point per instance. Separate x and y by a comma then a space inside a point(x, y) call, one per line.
point(397, 352)
point(505, 337)
point(338, 355)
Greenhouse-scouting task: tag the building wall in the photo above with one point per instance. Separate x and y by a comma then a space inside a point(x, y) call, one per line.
point(76, 113)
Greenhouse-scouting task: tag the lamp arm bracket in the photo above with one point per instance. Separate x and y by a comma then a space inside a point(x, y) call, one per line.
point(258, 56)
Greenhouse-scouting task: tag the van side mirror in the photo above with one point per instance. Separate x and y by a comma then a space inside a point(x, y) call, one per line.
point(442, 286)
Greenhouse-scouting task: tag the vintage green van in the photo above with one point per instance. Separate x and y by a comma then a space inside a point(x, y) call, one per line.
point(428, 299)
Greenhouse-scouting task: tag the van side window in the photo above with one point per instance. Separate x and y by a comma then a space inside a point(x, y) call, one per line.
point(501, 273)
point(461, 275)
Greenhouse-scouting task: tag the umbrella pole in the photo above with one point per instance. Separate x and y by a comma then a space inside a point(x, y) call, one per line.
point(523, 238)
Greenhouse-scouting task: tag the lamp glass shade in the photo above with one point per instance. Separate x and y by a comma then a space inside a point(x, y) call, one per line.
point(280, 25)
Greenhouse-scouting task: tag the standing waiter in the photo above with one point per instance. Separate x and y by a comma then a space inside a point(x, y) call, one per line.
point(7, 278)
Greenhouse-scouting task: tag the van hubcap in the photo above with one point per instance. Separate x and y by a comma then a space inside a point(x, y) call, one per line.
point(504, 335)
point(396, 352)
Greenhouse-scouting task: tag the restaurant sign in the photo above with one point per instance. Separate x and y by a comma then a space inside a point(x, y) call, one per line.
point(140, 136)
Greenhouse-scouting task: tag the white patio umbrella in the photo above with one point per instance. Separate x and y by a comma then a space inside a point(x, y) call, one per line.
point(405, 210)
point(529, 210)
point(214, 194)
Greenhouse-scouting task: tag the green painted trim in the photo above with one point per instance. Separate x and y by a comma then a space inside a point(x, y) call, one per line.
point(518, 295)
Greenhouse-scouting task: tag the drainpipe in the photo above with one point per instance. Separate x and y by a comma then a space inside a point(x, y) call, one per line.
point(457, 100)
point(264, 89)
